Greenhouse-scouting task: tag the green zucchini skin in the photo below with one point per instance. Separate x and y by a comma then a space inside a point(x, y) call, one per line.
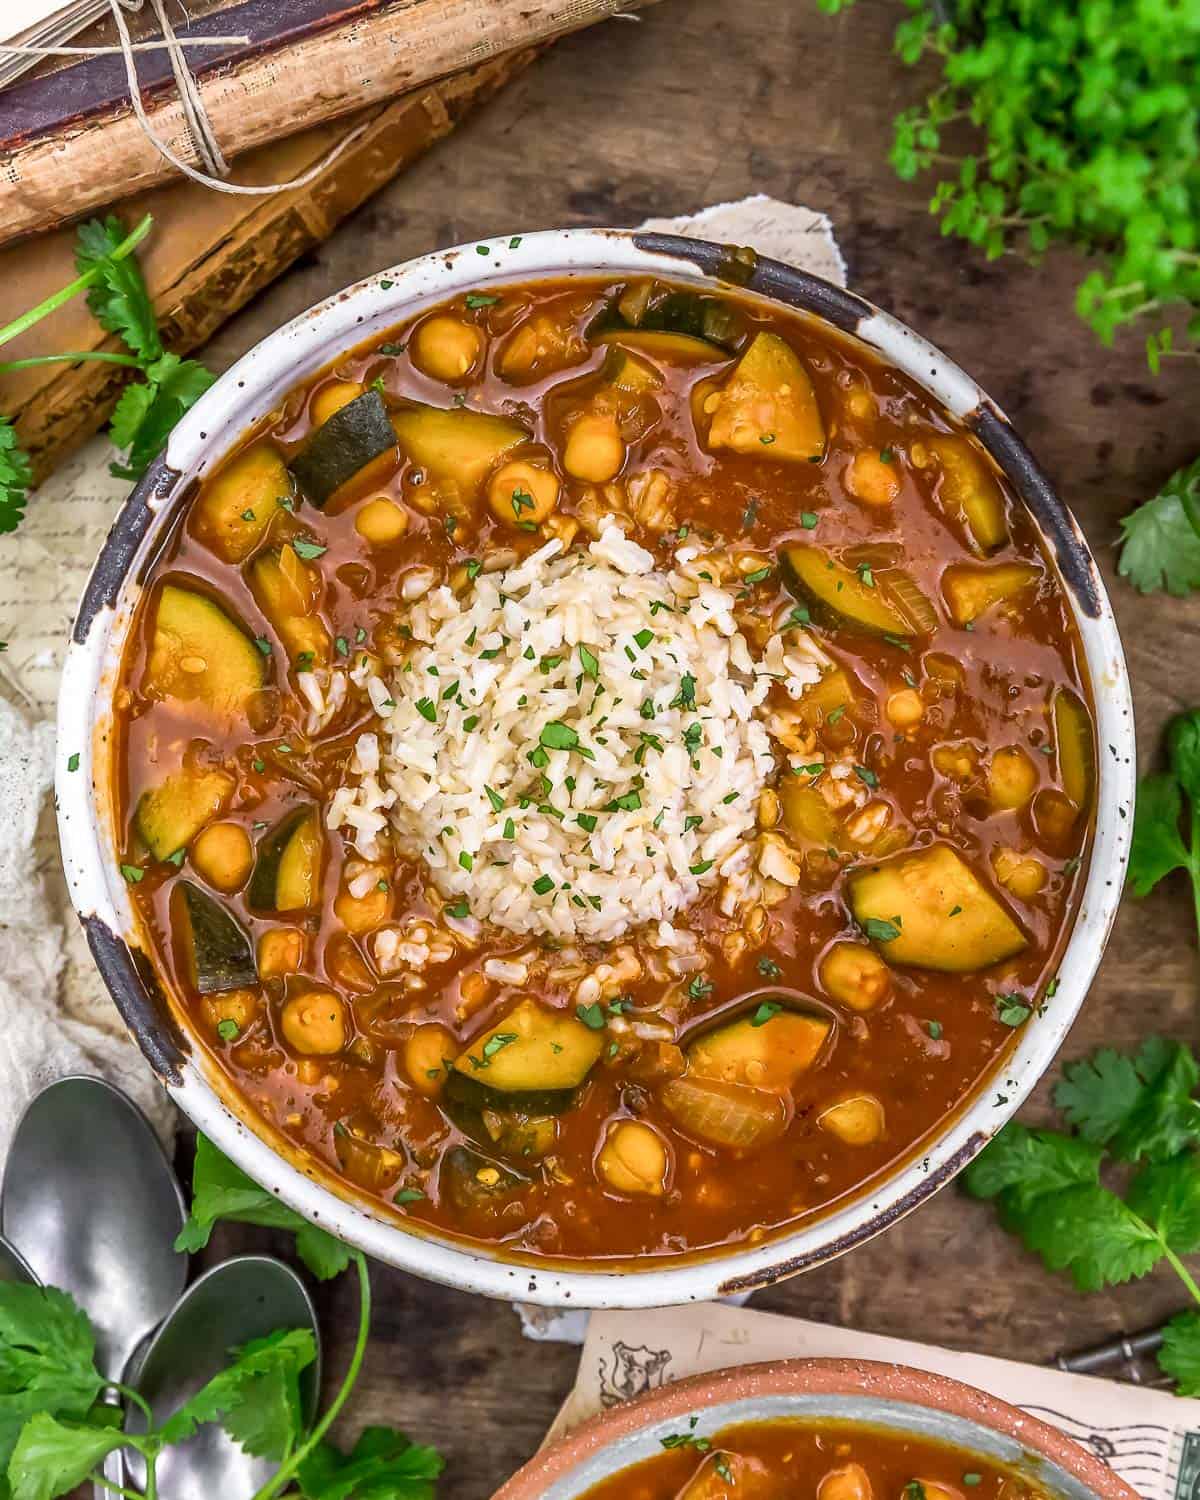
point(458, 1180)
point(222, 958)
point(709, 318)
point(261, 893)
point(355, 434)
point(476, 1095)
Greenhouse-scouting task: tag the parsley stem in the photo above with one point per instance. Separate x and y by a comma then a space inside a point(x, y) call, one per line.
point(58, 359)
point(136, 1397)
point(115, 1489)
point(286, 1470)
point(1182, 1272)
point(72, 289)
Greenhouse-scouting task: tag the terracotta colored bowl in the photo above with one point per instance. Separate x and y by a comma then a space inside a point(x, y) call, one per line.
point(898, 1397)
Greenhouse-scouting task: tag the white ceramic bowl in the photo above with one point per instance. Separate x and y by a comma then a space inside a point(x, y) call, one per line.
point(250, 390)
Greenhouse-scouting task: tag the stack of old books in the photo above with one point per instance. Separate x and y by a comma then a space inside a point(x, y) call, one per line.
point(284, 84)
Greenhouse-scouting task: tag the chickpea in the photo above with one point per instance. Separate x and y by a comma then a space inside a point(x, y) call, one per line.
point(1023, 875)
point(232, 1013)
point(634, 1159)
point(856, 975)
point(381, 522)
point(359, 914)
point(905, 708)
point(857, 1121)
point(223, 854)
point(594, 451)
point(315, 1023)
point(446, 348)
point(520, 491)
point(859, 403)
point(1054, 816)
point(331, 398)
point(280, 952)
point(872, 479)
point(425, 1055)
point(848, 1483)
point(1011, 778)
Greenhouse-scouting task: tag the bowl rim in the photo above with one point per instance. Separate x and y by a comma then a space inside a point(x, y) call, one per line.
point(246, 393)
point(902, 1384)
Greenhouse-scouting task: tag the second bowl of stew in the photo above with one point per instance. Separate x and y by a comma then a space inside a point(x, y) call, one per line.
point(597, 766)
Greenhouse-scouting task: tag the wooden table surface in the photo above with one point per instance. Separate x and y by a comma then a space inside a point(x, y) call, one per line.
point(699, 102)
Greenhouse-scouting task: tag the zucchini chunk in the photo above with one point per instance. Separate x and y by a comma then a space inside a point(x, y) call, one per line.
point(678, 348)
point(219, 953)
point(841, 597)
point(198, 654)
point(347, 442)
point(970, 590)
point(287, 590)
point(240, 501)
point(625, 372)
point(287, 869)
point(768, 406)
point(928, 909)
point(171, 814)
point(513, 1133)
point(1075, 748)
point(968, 491)
point(456, 447)
point(476, 1184)
point(732, 1115)
point(534, 1060)
point(647, 307)
point(770, 1055)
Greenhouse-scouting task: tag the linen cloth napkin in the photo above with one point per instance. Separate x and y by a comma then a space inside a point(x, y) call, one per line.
point(55, 1014)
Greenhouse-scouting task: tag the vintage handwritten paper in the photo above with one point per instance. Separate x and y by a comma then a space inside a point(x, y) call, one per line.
point(1151, 1438)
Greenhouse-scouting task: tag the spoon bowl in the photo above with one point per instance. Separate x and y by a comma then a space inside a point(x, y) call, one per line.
point(91, 1203)
point(13, 1265)
point(239, 1300)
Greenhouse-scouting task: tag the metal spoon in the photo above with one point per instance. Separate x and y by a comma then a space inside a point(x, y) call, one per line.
point(242, 1299)
point(13, 1266)
point(90, 1201)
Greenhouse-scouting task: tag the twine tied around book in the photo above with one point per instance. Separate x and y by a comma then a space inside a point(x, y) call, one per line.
point(215, 168)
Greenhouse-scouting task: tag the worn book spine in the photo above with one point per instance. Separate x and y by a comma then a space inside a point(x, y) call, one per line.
point(50, 178)
point(245, 246)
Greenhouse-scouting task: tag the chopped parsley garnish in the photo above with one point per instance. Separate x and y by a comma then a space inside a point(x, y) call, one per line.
point(700, 988)
point(132, 873)
point(769, 969)
point(808, 519)
point(701, 867)
point(558, 736)
point(589, 662)
point(495, 799)
point(1012, 1010)
point(460, 910)
point(308, 550)
point(426, 709)
point(73, 761)
point(586, 821)
point(410, 1195)
point(765, 1011)
point(228, 1030)
point(758, 575)
point(591, 1015)
point(498, 1042)
point(643, 637)
point(880, 930)
point(867, 777)
point(543, 884)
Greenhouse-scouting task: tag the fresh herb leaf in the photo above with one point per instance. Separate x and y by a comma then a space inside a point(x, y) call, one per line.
point(383, 1465)
point(16, 478)
point(1160, 547)
point(221, 1190)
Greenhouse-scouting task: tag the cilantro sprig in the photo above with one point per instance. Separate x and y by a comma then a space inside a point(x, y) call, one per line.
point(54, 1435)
point(1080, 132)
point(120, 301)
point(1119, 1193)
point(1160, 540)
point(1166, 823)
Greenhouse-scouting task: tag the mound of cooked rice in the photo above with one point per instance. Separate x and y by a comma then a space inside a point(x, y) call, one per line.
point(573, 747)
